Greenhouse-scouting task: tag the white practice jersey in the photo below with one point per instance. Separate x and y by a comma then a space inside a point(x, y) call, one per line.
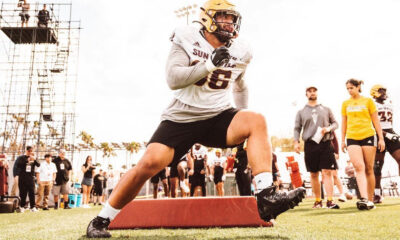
point(214, 90)
point(199, 154)
point(219, 161)
point(385, 114)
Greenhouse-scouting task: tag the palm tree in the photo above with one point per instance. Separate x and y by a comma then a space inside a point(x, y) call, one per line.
point(87, 138)
point(108, 151)
point(132, 147)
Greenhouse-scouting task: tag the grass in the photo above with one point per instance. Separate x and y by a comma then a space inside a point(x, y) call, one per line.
point(300, 223)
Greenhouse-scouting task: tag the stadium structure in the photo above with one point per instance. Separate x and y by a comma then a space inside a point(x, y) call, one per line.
point(38, 68)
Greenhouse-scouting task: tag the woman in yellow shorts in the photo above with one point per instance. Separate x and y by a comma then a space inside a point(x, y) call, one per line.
point(360, 125)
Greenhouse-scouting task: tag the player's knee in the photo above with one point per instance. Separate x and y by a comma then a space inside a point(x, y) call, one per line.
point(257, 121)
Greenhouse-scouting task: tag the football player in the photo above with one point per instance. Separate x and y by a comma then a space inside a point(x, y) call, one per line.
point(198, 172)
point(218, 171)
point(206, 62)
point(178, 175)
point(385, 114)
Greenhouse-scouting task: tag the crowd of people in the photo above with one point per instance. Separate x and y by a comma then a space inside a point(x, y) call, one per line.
point(39, 180)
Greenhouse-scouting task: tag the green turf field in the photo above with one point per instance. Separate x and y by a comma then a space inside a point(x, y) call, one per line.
point(300, 223)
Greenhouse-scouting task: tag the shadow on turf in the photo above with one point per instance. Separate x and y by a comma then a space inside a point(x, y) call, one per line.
point(152, 237)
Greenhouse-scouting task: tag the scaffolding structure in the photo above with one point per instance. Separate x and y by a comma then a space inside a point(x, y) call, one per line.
point(39, 79)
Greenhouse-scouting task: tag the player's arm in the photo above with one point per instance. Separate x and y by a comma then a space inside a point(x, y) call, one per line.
point(179, 72)
point(190, 163)
point(240, 93)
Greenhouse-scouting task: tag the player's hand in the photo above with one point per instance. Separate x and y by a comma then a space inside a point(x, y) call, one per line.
point(223, 178)
point(191, 172)
point(297, 147)
point(211, 178)
point(220, 56)
point(324, 130)
point(381, 145)
point(344, 147)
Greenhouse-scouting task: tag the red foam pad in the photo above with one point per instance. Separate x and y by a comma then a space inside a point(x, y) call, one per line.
point(190, 213)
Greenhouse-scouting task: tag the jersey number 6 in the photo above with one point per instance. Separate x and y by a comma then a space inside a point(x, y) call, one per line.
point(219, 79)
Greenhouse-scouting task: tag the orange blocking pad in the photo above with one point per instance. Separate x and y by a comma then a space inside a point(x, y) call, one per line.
point(189, 213)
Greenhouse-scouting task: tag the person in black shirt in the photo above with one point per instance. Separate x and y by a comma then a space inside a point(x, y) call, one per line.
point(64, 168)
point(87, 181)
point(43, 17)
point(242, 172)
point(98, 186)
point(26, 177)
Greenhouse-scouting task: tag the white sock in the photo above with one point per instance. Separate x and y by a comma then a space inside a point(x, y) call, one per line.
point(263, 180)
point(377, 191)
point(109, 212)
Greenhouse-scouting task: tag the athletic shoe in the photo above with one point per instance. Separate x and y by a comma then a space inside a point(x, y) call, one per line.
point(364, 204)
point(271, 203)
point(318, 204)
point(97, 228)
point(332, 205)
point(34, 209)
point(342, 198)
point(377, 199)
point(55, 206)
point(45, 208)
point(20, 210)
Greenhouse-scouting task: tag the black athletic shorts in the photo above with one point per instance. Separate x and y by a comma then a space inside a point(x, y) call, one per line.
point(98, 191)
point(218, 172)
point(198, 179)
point(182, 136)
point(158, 177)
point(369, 141)
point(319, 156)
point(390, 146)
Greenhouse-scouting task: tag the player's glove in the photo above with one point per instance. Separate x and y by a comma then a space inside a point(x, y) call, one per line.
point(392, 137)
point(223, 178)
point(219, 57)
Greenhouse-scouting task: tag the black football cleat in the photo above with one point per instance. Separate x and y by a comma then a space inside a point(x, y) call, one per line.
point(271, 203)
point(97, 228)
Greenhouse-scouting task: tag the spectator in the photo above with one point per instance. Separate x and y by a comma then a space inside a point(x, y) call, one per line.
point(45, 176)
point(3, 176)
point(24, 12)
point(87, 181)
point(98, 187)
point(111, 183)
point(103, 196)
point(14, 188)
point(43, 17)
point(64, 170)
point(26, 178)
